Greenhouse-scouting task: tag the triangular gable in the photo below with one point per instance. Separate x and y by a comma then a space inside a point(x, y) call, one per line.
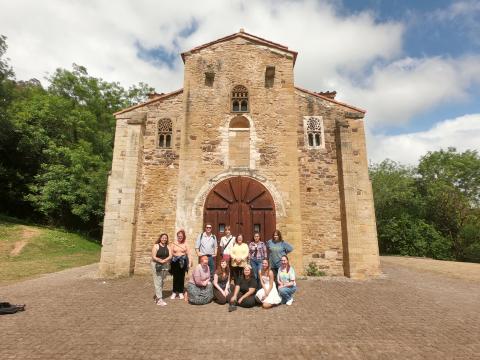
point(246, 36)
point(330, 99)
point(151, 101)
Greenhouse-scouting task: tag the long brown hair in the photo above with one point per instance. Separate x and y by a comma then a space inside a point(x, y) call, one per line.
point(279, 235)
point(158, 240)
point(288, 262)
point(181, 231)
point(220, 271)
point(268, 268)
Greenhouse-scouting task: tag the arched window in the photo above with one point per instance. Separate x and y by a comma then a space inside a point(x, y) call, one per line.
point(314, 131)
point(165, 133)
point(240, 99)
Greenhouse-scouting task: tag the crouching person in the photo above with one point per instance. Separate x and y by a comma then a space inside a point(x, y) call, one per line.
point(199, 288)
point(244, 293)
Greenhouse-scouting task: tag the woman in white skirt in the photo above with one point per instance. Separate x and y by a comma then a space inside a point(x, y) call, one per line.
point(268, 294)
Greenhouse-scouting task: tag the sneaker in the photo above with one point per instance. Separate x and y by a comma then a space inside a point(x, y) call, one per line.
point(180, 296)
point(161, 302)
point(173, 296)
point(289, 302)
point(232, 307)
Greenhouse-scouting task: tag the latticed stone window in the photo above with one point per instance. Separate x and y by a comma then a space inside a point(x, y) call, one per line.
point(165, 133)
point(314, 136)
point(240, 99)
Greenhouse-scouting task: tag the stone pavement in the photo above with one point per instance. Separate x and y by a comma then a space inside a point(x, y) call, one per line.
point(408, 314)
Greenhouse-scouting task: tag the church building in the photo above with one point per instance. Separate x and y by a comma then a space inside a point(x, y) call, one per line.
point(241, 145)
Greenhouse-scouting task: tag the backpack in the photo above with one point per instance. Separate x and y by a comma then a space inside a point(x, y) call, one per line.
point(7, 308)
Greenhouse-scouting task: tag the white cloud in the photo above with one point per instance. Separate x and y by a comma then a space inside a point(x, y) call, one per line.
point(398, 91)
point(462, 133)
point(100, 36)
point(357, 55)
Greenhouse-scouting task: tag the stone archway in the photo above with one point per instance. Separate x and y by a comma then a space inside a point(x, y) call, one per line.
point(244, 204)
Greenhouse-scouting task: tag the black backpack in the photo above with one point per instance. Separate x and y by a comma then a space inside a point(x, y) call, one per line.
point(7, 308)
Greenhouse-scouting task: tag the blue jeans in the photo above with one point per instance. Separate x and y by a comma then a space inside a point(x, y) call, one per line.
point(256, 265)
point(286, 293)
point(211, 265)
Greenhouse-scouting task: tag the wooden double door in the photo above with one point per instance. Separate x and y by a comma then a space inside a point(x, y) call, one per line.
point(244, 204)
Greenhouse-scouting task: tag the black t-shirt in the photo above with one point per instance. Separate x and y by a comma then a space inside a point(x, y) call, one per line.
point(245, 284)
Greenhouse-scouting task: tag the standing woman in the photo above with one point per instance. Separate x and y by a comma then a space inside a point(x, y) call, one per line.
point(181, 261)
point(239, 256)
point(268, 294)
point(226, 244)
point(221, 283)
point(277, 248)
point(161, 255)
point(286, 281)
point(199, 288)
point(257, 253)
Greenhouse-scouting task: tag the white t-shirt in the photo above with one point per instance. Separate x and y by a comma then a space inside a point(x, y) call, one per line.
point(223, 243)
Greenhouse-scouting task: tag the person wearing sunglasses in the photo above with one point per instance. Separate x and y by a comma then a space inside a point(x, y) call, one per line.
point(206, 245)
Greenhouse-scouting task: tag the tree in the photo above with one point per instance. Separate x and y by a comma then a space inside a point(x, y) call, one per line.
point(450, 183)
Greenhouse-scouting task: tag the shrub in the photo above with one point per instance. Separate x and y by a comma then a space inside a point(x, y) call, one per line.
point(313, 270)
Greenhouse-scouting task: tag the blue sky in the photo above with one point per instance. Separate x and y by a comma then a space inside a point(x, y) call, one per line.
point(413, 65)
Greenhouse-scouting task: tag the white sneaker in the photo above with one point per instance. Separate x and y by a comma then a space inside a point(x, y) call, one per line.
point(180, 296)
point(289, 302)
point(174, 295)
point(161, 302)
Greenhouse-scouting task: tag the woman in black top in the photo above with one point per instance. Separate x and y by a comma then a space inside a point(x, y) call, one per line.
point(221, 283)
point(161, 255)
point(244, 293)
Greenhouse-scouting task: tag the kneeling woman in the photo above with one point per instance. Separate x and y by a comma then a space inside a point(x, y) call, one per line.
point(199, 288)
point(286, 281)
point(221, 283)
point(244, 293)
point(268, 294)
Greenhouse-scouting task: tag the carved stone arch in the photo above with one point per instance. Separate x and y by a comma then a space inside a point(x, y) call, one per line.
point(244, 204)
point(199, 202)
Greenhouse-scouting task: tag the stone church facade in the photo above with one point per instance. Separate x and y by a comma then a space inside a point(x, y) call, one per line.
point(241, 145)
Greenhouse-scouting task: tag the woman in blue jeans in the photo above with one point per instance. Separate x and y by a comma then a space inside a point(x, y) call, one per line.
point(257, 252)
point(277, 247)
point(286, 281)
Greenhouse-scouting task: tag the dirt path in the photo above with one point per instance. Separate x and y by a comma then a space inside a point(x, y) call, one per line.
point(26, 234)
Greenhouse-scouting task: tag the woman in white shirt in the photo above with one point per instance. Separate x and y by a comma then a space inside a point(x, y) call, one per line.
point(226, 244)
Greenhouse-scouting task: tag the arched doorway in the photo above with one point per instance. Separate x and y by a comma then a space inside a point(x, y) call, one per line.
point(244, 204)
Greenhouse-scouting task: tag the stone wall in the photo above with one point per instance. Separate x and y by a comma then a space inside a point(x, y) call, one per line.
point(358, 213)
point(159, 180)
point(323, 197)
point(319, 188)
point(205, 151)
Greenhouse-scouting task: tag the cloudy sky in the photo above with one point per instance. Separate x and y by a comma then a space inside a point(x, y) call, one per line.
point(413, 65)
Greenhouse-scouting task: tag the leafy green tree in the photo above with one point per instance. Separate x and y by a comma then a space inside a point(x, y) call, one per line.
point(56, 144)
point(450, 183)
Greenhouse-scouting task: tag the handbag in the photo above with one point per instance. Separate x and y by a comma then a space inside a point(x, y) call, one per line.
point(222, 248)
point(162, 267)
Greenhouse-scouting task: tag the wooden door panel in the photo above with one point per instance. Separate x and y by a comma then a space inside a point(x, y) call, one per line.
point(240, 202)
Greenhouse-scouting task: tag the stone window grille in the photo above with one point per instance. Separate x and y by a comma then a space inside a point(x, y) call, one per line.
point(240, 99)
point(314, 133)
point(165, 134)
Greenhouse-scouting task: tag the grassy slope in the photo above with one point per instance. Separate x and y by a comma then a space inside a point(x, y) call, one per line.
point(45, 250)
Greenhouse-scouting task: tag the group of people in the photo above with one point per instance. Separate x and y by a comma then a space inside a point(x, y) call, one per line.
point(249, 274)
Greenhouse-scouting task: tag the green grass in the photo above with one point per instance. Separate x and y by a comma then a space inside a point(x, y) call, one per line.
point(46, 250)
